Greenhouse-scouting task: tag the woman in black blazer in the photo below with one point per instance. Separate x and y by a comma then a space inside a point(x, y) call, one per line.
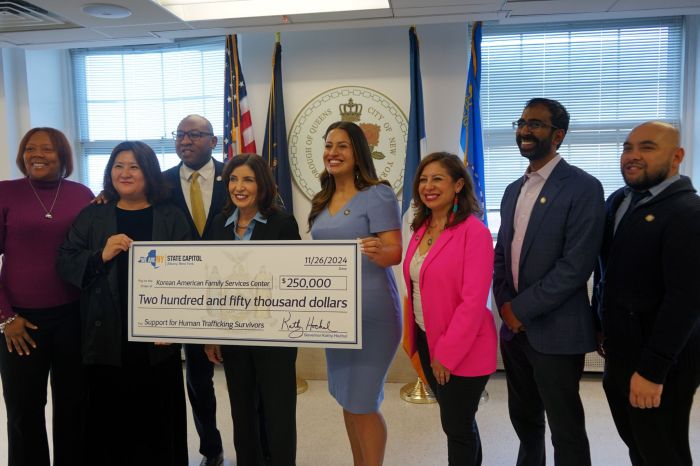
point(257, 374)
point(135, 410)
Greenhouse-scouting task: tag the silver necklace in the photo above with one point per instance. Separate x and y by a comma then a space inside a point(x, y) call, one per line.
point(48, 212)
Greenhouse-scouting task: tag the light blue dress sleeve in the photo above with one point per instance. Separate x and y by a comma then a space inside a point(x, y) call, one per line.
point(383, 209)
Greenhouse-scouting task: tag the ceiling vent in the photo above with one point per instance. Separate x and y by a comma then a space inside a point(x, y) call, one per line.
point(18, 15)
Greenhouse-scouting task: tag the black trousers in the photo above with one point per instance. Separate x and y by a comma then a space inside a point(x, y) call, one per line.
point(200, 391)
point(24, 380)
point(539, 383)
point(458, 400)
point(657, 436)
point(267, 375)
point(136, 414)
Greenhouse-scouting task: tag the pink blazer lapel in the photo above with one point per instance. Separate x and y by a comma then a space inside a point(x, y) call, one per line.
point(439, 245)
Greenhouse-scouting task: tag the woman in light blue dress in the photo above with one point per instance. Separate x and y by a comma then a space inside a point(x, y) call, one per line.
point(352, 204)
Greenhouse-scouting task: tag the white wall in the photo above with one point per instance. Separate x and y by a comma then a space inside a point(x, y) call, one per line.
point(14, 117)
point(36, 89)
point(690, 130)
point(378, 58)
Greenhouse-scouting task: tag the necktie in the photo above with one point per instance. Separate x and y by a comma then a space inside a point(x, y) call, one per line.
point(636, 196)
point(197, 203)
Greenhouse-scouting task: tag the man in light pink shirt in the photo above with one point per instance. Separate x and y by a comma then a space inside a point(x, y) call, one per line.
point(552, 223)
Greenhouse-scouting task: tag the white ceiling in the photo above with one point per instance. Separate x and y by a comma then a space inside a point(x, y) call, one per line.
point(62, 23)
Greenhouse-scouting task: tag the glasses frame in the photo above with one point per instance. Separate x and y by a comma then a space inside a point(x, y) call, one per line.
point(532, 125)
point(180, 135)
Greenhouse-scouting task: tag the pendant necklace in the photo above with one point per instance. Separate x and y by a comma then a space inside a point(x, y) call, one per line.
point(430, 235)
point(48, 212)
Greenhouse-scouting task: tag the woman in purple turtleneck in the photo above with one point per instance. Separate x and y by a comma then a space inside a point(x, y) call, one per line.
point(39, 312)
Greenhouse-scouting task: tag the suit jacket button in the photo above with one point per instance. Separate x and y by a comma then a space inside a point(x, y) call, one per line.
point(98, 323)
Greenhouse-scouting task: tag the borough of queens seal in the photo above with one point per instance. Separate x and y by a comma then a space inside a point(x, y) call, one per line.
point(382, 121)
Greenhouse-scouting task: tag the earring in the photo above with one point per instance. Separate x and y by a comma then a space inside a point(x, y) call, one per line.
point(454, 208)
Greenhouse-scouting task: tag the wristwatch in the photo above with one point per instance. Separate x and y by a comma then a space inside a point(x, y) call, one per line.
point(7, 322)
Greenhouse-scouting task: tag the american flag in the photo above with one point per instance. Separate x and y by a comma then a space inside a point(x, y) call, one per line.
point(238, 127)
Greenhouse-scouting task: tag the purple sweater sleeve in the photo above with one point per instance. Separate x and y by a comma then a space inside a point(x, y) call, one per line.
point(29, 242)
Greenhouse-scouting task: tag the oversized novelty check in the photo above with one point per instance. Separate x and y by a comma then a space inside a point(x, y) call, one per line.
point(266, 293)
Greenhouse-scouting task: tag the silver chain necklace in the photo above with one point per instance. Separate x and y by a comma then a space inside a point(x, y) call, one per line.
point(48, 212)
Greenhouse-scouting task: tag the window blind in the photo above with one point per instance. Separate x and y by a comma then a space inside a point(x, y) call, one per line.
point(610, 75)
point(142, 93)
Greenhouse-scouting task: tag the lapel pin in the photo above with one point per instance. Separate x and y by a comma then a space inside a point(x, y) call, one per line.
point(543, 200)
point(650, 218)
point(347, 212)
point(218, 178)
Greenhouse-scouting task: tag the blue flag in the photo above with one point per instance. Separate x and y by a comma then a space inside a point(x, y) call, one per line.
point(275, 143)
point(470, 139)
point(415, 147)
point(415, 150)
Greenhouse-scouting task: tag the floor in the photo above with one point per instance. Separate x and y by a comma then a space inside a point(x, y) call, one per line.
point(415, 437)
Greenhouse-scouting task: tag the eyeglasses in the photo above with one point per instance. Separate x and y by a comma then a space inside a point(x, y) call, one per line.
point(193, 135)
point(532, 124)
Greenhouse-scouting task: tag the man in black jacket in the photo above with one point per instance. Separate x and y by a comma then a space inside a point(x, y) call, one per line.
point(197, 188)
point(648, 293)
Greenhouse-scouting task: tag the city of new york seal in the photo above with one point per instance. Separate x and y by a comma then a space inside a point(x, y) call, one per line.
point(382, 121)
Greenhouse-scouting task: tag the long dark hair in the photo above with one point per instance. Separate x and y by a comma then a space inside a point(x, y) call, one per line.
point(267, 189)
point(157, 189)
point(365, 173)
point(467, 203)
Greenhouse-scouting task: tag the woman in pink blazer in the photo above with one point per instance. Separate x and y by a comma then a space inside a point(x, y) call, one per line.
point(448, 269)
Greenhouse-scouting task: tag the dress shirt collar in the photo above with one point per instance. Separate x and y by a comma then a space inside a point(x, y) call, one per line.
point(233, 218)
point(545, 171)
point(657, 189)
point(207, 172)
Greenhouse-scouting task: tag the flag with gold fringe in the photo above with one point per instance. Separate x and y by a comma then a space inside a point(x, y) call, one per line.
point(238, 125)
point(470, 139)
point(275, 144)
point(415, 150)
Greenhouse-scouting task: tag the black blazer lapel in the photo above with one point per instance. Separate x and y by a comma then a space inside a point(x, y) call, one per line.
point(510, 199)
point(108, 218)
point(178, 197)
point(218, 196)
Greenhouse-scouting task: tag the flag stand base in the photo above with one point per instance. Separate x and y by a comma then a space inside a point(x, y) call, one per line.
point(417, 393)
point(302, 386)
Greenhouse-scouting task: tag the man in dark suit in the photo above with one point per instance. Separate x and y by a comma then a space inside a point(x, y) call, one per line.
point(551, 227)
point(648, 284)
point(197, 188)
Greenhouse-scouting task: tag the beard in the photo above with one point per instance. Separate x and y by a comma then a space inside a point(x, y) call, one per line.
point(542, 147)
point(646, 180)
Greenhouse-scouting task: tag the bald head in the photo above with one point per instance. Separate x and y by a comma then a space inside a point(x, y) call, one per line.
point(651, 154)
point(666, 132)
point(195, 141)
point(200, 120)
